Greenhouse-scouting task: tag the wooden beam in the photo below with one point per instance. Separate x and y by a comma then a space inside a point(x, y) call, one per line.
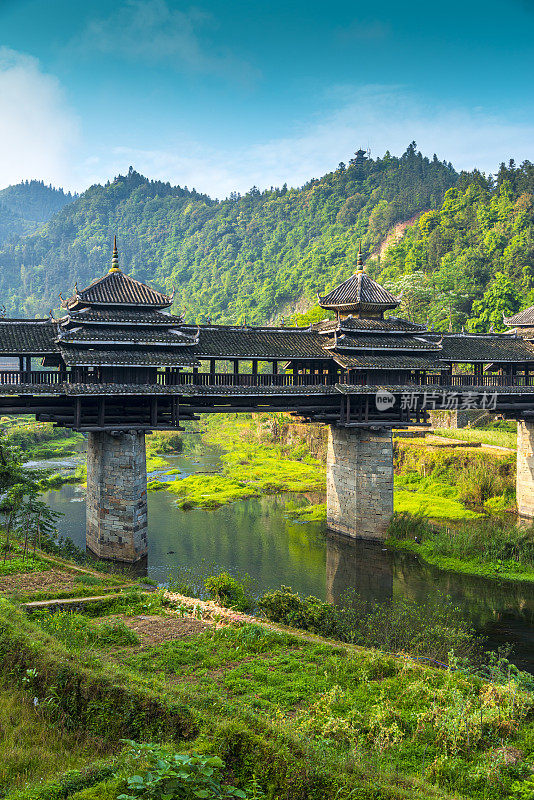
point(154, 410)
point(77, 411)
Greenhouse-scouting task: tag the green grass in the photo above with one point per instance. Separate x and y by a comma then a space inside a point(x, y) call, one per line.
point(33, 747)
point(16, 565)
point(77, 632)
point(431, 497)
point(248, 471)
point(499, 438)
point(310, 513)
point(311, 720)
point(489, 547)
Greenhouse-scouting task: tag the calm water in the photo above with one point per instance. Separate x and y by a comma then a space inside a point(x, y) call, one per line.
point(256, 537)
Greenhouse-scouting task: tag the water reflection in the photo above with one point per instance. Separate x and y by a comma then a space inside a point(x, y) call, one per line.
point(504, 611)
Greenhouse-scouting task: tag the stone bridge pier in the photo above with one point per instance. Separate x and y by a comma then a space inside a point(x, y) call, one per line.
point(525, 469)
point(359, 481)
point(117, 510)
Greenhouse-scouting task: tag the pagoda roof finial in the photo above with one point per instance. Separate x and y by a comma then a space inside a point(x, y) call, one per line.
point(359, 262)
point(115, 260)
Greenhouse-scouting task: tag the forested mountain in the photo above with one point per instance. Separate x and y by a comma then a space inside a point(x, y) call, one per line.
point(472, 259)
point(25, 206)
point(251, 256)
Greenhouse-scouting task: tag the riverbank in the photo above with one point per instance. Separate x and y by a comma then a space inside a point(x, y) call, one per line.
point(492, 547)
point(294, 713)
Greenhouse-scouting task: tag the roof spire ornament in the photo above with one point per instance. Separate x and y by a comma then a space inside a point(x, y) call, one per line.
point(115, 260)
point(360, 261)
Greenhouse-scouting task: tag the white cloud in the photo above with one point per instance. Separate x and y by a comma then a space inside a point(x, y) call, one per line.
point(37, 129)
point(381, 117)
point(153, 31)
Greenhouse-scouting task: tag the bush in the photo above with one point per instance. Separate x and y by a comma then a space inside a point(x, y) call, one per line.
point(228, 592)
point(162, 774)
point(429, 631)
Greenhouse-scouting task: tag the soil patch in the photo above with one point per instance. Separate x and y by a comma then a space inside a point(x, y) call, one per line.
point(55, 580)
point(154, 629)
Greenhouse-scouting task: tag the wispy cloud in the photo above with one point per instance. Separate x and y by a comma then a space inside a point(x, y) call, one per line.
point(364, 30)
point(155, 32)
point(381, 117)
point(37, 128)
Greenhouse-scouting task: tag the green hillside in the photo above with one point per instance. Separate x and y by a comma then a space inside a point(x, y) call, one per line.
point(251, 256)
point(471, 260)
point(25, 206)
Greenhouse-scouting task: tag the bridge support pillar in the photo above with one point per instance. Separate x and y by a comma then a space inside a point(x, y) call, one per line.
point(359, 481)
point(117, 510)
point(525, 469)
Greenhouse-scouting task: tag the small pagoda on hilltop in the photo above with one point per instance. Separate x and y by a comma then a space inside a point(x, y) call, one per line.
point(117, 331)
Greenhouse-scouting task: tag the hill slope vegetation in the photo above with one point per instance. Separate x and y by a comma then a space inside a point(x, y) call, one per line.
point(250, 256)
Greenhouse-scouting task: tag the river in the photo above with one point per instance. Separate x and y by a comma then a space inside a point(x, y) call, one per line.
point(257, 537)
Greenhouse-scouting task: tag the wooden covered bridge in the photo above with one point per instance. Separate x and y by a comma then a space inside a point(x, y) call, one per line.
point(117, 364)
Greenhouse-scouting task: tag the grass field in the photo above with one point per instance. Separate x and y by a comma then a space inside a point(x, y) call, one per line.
point(308, 719)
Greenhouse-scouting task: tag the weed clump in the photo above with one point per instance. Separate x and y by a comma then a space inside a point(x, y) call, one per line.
point(229, 592)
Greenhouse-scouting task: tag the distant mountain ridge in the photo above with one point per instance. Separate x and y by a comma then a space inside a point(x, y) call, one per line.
point(243, 258)
point(25, 206)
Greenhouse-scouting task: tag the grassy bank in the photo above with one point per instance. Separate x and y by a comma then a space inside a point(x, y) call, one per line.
point(494, 547)
point(39, 440)
point(301, 719)
point(252, 465)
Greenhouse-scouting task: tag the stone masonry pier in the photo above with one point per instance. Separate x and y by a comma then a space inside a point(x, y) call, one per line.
point(359, 481)
point(525, 469)
point(117, 511)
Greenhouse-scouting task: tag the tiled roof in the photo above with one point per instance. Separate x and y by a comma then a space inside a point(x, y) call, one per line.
point(132, 336)
point(385, 362)
point(109, 316)
point(116, 288)
point(392, 343)
point(359, 292)
point(83, 357)
point(525, 317)
point(353, 324)
point(27, 337)
point(485, 348)
point(263, 343)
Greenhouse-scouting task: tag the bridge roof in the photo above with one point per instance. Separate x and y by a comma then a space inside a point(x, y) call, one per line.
point(357, 325)
point(525, 317)
point(131, 336)
point(124, 317)
point(223, 342)
point(392, 343)
point(27, 337)
point(486, 348)
point(118, 289)
point(141, 357)
point(390, 361)
point(359, 292)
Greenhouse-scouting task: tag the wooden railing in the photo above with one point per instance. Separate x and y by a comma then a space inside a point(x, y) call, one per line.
point(229, 379)
point(34, 378)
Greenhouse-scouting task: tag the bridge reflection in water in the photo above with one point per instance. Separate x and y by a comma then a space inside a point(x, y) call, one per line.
point(503, 611)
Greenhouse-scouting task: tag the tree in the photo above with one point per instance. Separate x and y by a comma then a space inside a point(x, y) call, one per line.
point(500, 299)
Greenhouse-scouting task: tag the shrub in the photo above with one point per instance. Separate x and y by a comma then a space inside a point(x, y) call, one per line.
point(228, 592)
point(429, 631)
point(162, 774)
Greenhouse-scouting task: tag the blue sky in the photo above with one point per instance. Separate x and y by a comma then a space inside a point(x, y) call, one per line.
point(225, 95)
